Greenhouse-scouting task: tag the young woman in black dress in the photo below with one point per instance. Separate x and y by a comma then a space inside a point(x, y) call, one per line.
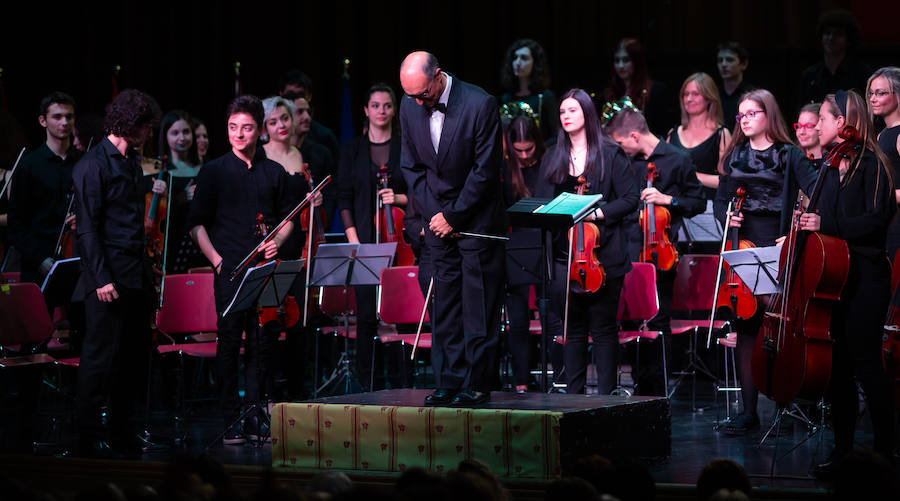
point(525, 76)
point(857, 203)
point(762, 159)
point(360, 162)
point(701, 133)
point(583, 150)
point(629, 77)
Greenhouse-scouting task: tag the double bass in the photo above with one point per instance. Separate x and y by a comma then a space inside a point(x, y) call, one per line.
point(655, 224)
point(792, 354)
point(733, 294)
point(389, 224)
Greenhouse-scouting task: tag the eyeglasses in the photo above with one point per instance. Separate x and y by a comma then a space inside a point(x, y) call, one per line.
point(800, 126)
point(878, 92)
point(750, 114)
point(423, 95)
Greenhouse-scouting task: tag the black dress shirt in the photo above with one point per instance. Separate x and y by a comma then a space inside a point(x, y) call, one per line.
point(228, 197)
point(109, 218)
point(38, 203)
point(677, 177)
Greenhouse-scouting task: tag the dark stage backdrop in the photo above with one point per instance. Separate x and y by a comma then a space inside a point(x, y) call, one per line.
point(183, 52)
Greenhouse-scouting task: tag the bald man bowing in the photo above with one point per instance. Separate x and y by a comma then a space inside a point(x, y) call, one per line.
point(451, 154)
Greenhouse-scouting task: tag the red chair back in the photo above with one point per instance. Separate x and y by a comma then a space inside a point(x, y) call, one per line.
point(695, 282)
point(10, 277)
point(189, 304)
point(638, 300)
point(24, 318)
point(334, 301)
point(401, 298)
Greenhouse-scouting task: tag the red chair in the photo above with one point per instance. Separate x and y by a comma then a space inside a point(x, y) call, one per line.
point(639, 302)
point(693, 292)
point(24, 320)
point(401, 302)
point(10, 277)
point(339, 303)
point(188, 307)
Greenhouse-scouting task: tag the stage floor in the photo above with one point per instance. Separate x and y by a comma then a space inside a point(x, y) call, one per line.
point(694, 438)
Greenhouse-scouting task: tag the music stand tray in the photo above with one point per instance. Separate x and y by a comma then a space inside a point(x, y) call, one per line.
point(277, 288)
point(250, 288)
point(560, 213)
point(757, 267)
point(60, 282)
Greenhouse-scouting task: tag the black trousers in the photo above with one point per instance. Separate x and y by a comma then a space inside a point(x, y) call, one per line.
point(468, 293)
point(257, 351)
point(113, 363)
point(856, 327)
point(593, 314)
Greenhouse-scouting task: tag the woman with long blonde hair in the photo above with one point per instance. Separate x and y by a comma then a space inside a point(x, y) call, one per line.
point(701, 132)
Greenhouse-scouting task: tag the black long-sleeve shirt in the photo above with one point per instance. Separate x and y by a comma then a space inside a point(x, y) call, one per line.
point(38, 203)
point(228, 197)
point(109, 218)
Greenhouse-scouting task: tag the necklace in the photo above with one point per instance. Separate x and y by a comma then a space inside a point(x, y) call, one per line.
point(577, 154)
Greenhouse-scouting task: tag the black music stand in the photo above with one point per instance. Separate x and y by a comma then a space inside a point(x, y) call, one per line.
point(59, 284)
point(265, 286)
point(560, 213)
point(343, 265)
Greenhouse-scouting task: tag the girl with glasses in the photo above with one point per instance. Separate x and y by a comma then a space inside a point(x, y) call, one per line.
point(762, 159)
point(807, 136)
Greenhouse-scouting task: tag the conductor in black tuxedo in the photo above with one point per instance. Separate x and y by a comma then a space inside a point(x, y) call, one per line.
point(451, 158)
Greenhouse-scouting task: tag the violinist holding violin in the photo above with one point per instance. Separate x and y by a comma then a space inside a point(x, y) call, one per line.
point(231, 191)
point(762, 159)
point(584, 156)
point(670, 183)
point(857, 204)
point(41, 190)
point(360, 192)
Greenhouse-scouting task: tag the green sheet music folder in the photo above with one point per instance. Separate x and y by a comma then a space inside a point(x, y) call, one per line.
point(561, 212)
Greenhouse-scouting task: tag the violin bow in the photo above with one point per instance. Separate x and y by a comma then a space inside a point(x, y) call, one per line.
point(712, 314)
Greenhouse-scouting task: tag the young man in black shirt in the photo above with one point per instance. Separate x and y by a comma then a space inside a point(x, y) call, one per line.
point(677, 189)
point(39, 199)
point(231, 191)
point(116, 283)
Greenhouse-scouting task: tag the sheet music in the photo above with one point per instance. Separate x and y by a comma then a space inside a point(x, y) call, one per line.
point(570, 203)
point(703, 227)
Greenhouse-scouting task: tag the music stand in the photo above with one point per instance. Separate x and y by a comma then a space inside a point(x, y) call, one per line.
point(757, 267)
point(343, 265)
point(59, 284)
point(560, 213)
point(265, 286)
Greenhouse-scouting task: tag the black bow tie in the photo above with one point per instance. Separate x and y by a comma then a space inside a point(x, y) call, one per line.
point(442, 107)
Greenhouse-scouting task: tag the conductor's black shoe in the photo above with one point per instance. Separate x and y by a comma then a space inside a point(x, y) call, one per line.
point(742, 424)
point(470, 398)
point(440, 396)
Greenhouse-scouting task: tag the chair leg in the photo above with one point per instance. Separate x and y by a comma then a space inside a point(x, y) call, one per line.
point(662, 339)
point(372, 371)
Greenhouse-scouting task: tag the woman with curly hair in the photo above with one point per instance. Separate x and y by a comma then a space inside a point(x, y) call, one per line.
point(115, 280)
point(525, 76)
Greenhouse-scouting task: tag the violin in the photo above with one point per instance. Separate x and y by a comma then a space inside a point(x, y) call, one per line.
point(586, 274)
point(65, 243)
point(288, 313)
point(389, 225)
point(156, 207)
point(315, 236)
point(655, 224)
point(733, 293)
point(792, 354)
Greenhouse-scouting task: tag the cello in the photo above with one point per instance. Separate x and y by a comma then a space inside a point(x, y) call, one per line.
point(655, 224)
point(792, 354)
point(389, 224)
point(733, 293)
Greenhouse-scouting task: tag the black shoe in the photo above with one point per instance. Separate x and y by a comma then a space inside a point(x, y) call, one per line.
point(742, 424)
point(256, 429)
point(98, 449)
point(470, 398)
point(234, 438)
point(440, 397)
